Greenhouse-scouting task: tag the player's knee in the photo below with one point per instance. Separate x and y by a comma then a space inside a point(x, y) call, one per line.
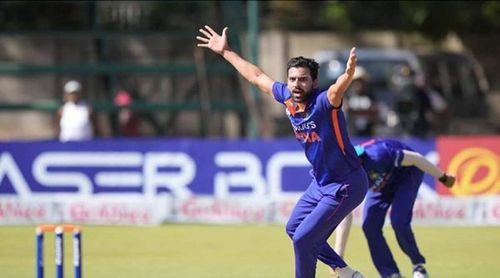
point(301, 241)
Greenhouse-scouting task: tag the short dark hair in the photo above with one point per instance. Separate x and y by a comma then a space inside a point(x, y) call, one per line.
point(301, 62)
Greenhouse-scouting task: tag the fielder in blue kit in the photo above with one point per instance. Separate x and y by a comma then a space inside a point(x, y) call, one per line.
point(395, 172)
point(339, 183)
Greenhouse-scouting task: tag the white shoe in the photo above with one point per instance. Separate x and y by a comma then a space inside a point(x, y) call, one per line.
point(348, 272)
point(357, 275)
point(420, 272)
point(395, 275)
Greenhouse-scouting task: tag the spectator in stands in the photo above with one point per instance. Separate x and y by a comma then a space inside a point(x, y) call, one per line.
point(76, 120)
point(435, 114)
point(422, 125)
point(361, 107)
point(128, 121)
point(413, 104)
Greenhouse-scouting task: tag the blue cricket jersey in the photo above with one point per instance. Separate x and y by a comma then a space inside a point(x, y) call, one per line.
point(321, 130)
point(382, 162)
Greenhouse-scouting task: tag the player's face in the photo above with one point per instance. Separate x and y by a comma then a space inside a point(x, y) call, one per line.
point(300, 83)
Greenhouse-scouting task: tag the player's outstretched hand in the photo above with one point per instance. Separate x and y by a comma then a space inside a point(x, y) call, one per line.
point(351, 62)
point(447, 180)
point(217, 43)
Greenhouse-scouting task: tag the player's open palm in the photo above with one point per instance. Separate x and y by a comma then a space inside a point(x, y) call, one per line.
point(212, 40)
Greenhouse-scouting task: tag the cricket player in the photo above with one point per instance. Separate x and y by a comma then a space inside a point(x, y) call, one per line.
point(395, 173)
point(339, 183)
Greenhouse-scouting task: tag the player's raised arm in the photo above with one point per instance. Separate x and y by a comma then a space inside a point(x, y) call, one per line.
point(219, 44)
point(337, 90)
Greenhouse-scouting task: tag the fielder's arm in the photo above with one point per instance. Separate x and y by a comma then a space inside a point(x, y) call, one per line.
point(219, 44)
point(415, 159)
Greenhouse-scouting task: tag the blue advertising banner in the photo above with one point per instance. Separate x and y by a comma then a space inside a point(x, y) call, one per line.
point(152, 181)
point(181, 167)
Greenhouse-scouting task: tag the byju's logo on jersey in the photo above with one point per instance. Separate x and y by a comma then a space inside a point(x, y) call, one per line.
point(306, 133)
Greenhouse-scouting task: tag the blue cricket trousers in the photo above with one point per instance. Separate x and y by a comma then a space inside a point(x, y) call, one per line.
point(401, 200)
point(315, 217)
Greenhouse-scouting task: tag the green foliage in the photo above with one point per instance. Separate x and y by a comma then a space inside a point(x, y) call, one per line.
point(491, 12)
point(166, 15)
point(38, 16)
point(336, 15)
point(292, 15)
point(133, 16)
point(434, 19)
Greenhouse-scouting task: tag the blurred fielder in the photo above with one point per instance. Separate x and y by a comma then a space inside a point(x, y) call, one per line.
point(395, 173)
point(339, 182)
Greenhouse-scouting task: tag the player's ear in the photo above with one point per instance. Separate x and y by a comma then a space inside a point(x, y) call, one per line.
point(316, 83)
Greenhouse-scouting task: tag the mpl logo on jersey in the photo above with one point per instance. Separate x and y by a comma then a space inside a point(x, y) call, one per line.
point(475, 161)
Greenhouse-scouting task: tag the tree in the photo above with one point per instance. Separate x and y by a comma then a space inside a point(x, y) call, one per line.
point(434, 19)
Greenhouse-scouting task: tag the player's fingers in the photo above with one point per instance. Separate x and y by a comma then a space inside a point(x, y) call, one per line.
point(352, 54)
point(202, 39)
point(353, 58)
point(205, 33)
point(224, 31)
point(210, 30)
point(202, 45)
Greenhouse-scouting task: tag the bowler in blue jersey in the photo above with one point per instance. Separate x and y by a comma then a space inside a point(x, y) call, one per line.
point(338, 183)
point(395, 172)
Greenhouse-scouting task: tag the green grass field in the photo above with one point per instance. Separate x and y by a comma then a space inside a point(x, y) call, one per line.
point(237, 251)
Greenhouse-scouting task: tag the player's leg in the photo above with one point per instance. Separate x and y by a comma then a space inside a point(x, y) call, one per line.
point(306, 203)
point(303, 208)
point(374, 211)
point(308, 240)
point(342, 235)
point(356, 193)
point(310, 237)
point(402, 212)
